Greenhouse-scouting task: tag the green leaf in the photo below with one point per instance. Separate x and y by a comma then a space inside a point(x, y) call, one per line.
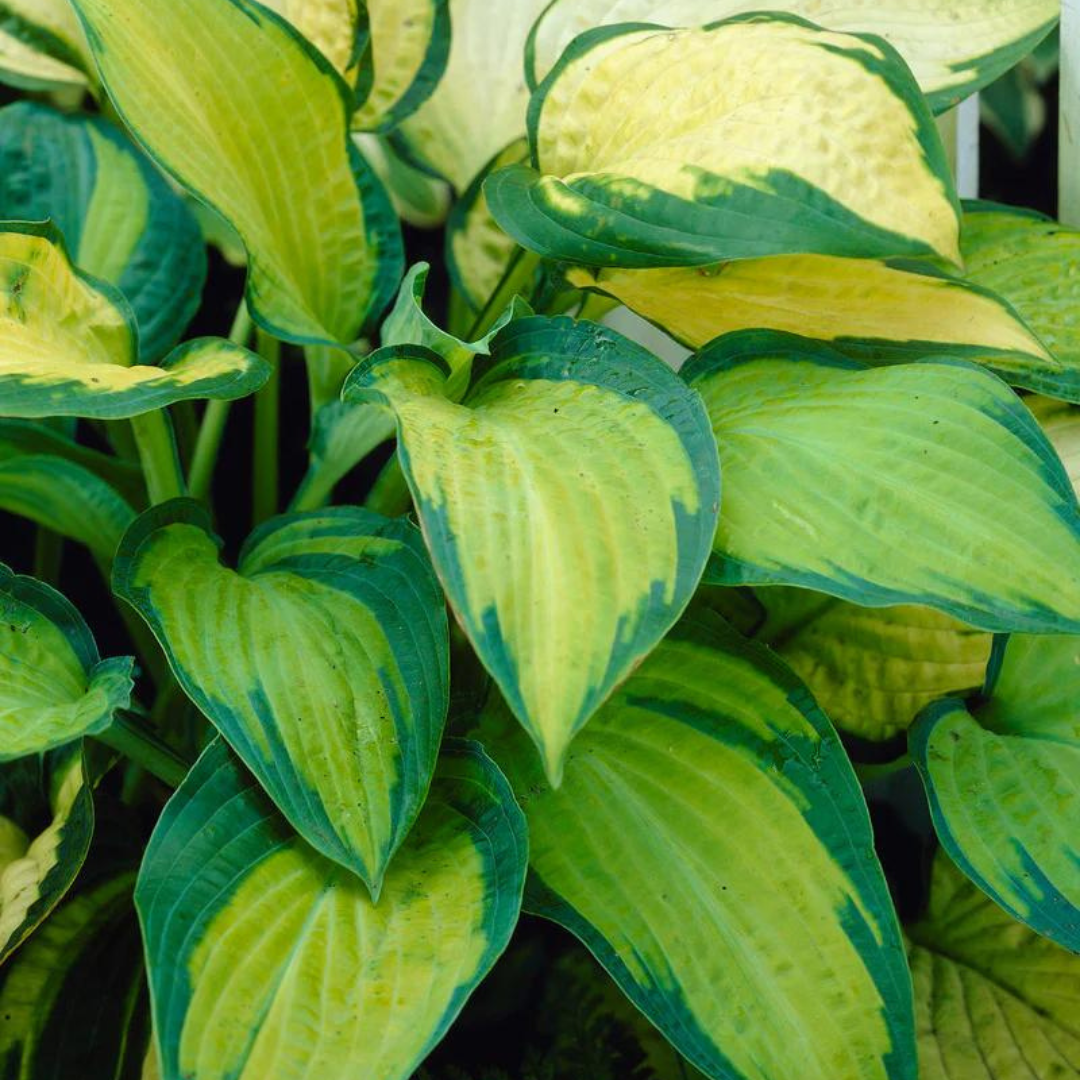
point(46, 822)
point(568, 505)
point(878, 312)
point(478, 252)
point(1002, 773)
point(654, 147)
point(1034, 262)
point(873, 669)
point(993, 1001)
point(73, 998)
point(479, 103)
point(1061, 425)
point(58, 484)
point(271, 153)
point(419, 198)
point(322, 659)
point(120, 219)
point(326, 983)
point(69, 345)
point(710, 845)
point(953, 47)
point(42, 46)
point(54, 686)
point(337, 28)
point(408, 50)
point(830, 468)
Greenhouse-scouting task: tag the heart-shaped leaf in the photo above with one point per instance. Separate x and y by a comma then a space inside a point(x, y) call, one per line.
point(655, 147)
point(953, 47)
point(54, 686)
point(831, 467)
point(322, 659)
point(37, 870)
point(710, 845)
point(993, 1001)
point(408, 49)
point(270, 153)
point(479, 103)
point(876, 311)
point(120, 219)
point(69, 345)
point(329, 984)
point(567, 503)
point(1003, 777)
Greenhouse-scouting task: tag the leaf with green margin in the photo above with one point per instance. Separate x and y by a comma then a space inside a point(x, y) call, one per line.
point(42, 47)
point(47, 797)
point(408, 50)
point(322, 660)
point(1034, 263)
point(324, 245)
point(41, 479)
point(327, 983)
point(654, 147)
point(878, 312)
point(830, 467)
point(1002, 773)
point(873, 669)
point(74, 999)
point(337, 28)
point(710, 845)
point(69, 345)
point(953, 47)
point(342, 434)
point(120, 219)
point(568, 505)
point(54, 686)
point(993, 1001)
point(478, 252)
point(419, 199)
point(480, 102)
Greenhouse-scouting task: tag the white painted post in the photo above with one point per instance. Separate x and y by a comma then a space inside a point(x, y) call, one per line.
point(1069, 115)
point(967, 147)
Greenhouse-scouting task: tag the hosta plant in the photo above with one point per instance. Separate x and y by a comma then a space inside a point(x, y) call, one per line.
point(293, 749)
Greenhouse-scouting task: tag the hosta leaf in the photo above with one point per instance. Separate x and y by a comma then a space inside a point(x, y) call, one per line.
point(993, 1001)
point(655, 147)
point(479, 103)
point(323, 243)
point(335, 27)
point(830, 467)
point(54, 686)
point(710, 845)
point(1034, 263)
point(477, 250)
point(46, 822)
point(953, 47)
point(407, 53)
point(73, 998)
point(1003, 777)
point(52, 481)
point(873, 669)
point(322, 660)
point(568, 505)
point(120, 219)
point(42, 46)
point(327, 984)
point(419, 198)
point(873, 310)
point(69, 346)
